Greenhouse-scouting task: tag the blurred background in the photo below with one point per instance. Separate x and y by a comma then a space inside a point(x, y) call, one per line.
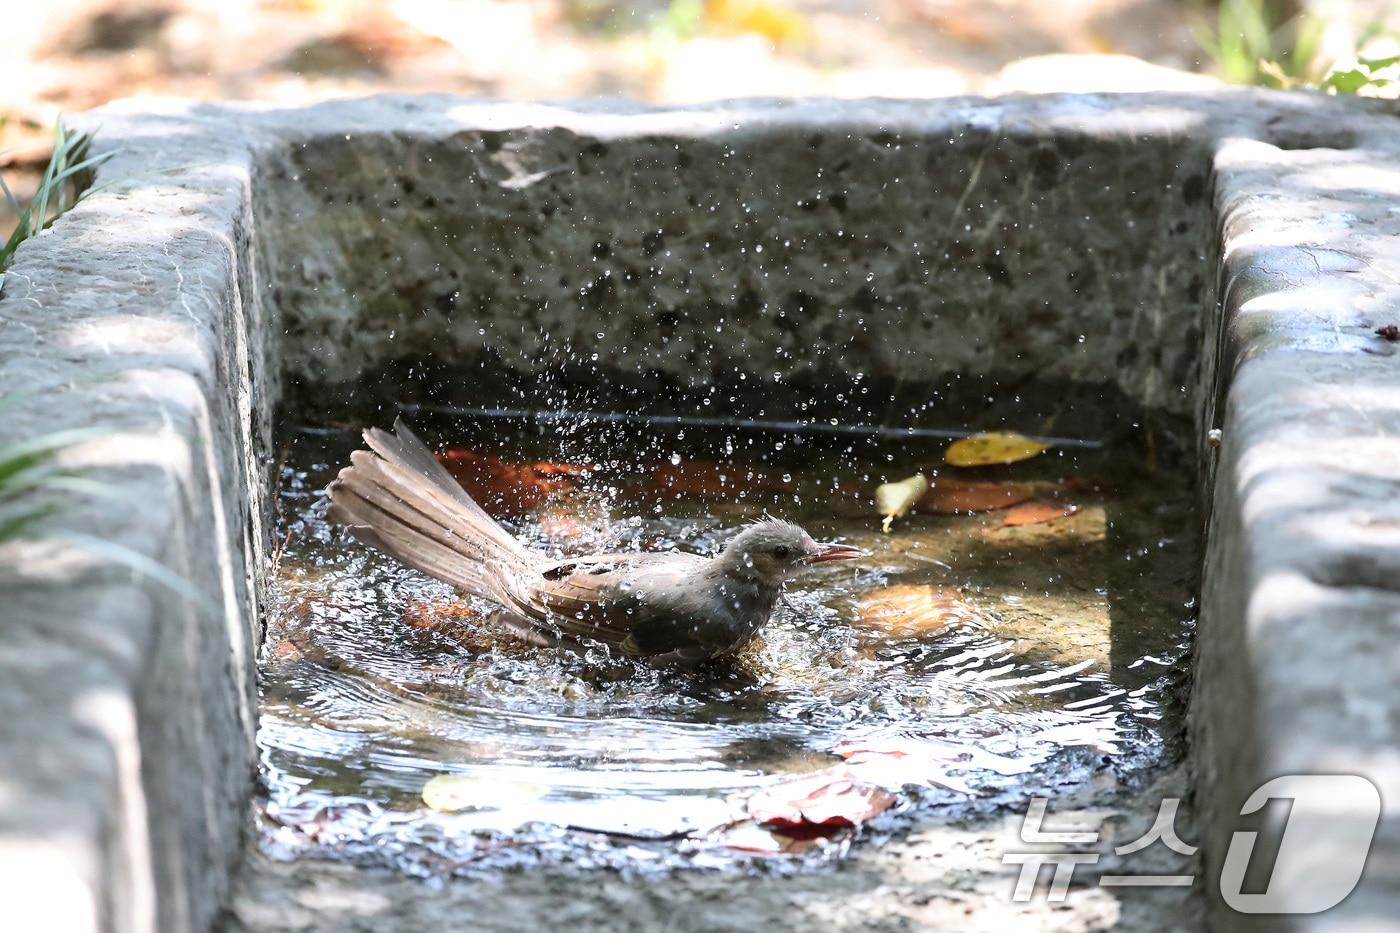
point(66, 55)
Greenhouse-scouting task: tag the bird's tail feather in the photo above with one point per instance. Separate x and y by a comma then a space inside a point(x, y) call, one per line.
point(398, 498)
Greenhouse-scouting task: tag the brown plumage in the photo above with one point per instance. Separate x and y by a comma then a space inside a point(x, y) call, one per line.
point(683, 608)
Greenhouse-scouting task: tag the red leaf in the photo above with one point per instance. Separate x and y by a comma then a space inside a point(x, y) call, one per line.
point(818, 803)
point(947, 496)
point(750, 837)
point(508, 490)
point(1038, 511)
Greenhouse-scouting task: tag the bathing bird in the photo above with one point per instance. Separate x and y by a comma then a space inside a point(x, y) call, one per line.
point(673, 608)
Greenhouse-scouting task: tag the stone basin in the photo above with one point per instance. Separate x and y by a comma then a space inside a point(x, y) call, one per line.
point(1205, 270)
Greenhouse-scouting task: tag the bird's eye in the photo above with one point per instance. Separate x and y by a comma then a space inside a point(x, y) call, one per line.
point(781, 551)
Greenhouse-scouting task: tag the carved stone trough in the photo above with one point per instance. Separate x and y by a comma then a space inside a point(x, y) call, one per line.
point(1217, 262)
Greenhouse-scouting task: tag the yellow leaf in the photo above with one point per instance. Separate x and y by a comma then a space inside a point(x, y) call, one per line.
point(993, 447)
point(451, 792)
point(894, 499)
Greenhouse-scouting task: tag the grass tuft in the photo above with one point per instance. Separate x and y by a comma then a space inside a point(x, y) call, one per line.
point(71, 155)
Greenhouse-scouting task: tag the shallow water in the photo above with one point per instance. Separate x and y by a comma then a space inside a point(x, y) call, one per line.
point(1055, 659)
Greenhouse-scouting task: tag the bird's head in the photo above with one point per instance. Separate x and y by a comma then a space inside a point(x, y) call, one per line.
point(774, 551)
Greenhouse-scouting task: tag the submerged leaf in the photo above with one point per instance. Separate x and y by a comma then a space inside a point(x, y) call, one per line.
point(431, 613)
point(995, 447)
point(1038, 511)
point(949, 496)
point(908, 610)
point(508, 490)
point(704, 479)
point(448, 793)
point(899, 760)
point(817, 803)
point(894, 499)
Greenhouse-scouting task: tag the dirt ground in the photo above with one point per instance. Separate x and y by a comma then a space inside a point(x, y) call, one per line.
point(67, 55)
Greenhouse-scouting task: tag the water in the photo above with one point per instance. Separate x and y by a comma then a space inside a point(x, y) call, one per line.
point(1056, 661)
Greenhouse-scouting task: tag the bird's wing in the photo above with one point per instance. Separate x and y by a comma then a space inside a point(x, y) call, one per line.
point(605, 596)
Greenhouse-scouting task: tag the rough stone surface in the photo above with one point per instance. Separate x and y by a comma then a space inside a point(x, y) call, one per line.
point(127, 708)
point(1297, 650)
point(927, 245)
point(978, 242)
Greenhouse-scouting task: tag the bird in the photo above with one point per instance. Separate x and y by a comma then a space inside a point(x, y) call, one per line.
point(665, 607)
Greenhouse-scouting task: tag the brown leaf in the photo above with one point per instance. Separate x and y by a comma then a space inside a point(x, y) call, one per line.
point(436, 613)
point(508, 490)
point(702, 479)
point(286, 648)
point(1086, 485)
point(949, 496)
point(818, 803)
point(1038, 511)
point(907, 610)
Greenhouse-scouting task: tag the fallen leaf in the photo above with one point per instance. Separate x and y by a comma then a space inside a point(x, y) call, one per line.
point(894, 761)
point(702, 479)
point(748, 836)
point(994, 447)
point(432, 613)
point(448, 793)
point(907, 610)
point(1038, 511)
point(1082, 484)
point(508, 490)
point(948, 496)
point(563, 525)
point(894, 499)
point(818, 803)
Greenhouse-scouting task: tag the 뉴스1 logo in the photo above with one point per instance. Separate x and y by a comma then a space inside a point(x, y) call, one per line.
point(1307, 878)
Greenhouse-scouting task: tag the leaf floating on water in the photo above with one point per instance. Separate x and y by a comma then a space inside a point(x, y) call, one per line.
point(993, 447)
point(1037, 512)
point(907, 610)
point(448, 793)
point(947, 496)
point(818, 803)
point(894, 499)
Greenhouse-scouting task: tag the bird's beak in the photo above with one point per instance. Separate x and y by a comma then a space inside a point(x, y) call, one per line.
point(837, 552)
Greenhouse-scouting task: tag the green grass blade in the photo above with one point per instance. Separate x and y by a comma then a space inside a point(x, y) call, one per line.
point(19, 456)
point(16, 525)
